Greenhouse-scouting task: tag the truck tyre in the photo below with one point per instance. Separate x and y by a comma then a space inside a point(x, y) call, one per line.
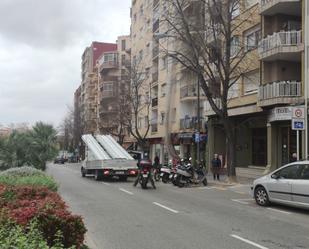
point(97, 175)
point(83, 172)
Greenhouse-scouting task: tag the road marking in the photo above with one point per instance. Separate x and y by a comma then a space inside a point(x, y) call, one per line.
point(167, 208)
point(280, 211)
point(204, 187)
point(248, 241)
point(105, 183)
point(239, 192)
point(220, 188)
point(242, 201)
point(126, 191)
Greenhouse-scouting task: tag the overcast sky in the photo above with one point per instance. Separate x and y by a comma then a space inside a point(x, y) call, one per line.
point(41, 43)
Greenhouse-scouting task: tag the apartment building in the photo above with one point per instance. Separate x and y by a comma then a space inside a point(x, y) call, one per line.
point(113, 88)
point(89, 84)
point(173, 89)
point(282, 86)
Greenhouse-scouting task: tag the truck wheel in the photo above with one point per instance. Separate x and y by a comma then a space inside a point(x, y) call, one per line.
point(97, 175)
point(83, 172)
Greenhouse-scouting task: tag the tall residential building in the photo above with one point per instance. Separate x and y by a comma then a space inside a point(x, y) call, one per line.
point(112, 90)
point(282, 86)
point(88, 110)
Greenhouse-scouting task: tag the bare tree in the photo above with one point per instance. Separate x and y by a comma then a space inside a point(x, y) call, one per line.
point(208, 43)
point(138, 99)
point(66, 131)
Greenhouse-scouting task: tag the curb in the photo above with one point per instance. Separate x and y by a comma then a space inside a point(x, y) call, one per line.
point(89, 242)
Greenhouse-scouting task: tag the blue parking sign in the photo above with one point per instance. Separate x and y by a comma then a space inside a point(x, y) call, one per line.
point(298, 124)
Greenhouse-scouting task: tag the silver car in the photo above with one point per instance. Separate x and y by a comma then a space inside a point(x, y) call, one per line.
point(287, 185)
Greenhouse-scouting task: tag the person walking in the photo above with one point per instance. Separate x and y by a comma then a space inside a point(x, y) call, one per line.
point(216, 165)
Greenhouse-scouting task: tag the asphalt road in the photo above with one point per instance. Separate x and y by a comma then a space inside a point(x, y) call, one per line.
point(119, 216)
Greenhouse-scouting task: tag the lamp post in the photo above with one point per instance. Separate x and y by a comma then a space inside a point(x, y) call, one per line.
point(198, 121)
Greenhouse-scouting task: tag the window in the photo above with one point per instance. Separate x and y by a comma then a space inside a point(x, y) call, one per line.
point(146, 121)
point(304, 173)
point(233, 90)
point(235, 8)
point(162, 118)
point(123, 45)
point(252, 38)
point(290, 172)
point(163, 90)
point(235, 46)
point(108, 87)
point(123, 59)
point(251, 82)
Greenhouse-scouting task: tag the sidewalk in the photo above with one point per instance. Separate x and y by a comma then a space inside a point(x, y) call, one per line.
point(224, 181)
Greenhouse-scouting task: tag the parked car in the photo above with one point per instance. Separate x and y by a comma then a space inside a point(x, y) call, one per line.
point(287, 185)
point(59, 160)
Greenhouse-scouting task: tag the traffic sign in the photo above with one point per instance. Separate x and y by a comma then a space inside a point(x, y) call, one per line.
point(298, 112)
point(298, 124)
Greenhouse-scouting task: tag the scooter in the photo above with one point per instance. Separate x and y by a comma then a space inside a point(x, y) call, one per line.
point(187, 175)
point(166, 172)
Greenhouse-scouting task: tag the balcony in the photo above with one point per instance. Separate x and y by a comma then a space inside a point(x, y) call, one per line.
point(109, 65)
point(190, 123)
point(189, 92)
point(285, 45)
point(282, 92)
point(108, 94)
point(274, 7)
point(108, 110)
point(154, 102)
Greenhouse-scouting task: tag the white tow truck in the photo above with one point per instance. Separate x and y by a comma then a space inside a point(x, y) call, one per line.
point(105, 158)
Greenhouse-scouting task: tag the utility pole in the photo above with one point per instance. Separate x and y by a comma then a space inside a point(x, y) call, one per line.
point(198, 121)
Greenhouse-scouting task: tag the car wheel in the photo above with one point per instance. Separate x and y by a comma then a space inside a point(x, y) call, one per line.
point(261, 196)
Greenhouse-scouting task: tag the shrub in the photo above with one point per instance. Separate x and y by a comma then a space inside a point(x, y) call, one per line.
point(22, 171)
point(27, 176)
point(23, 204)
point(14, 236)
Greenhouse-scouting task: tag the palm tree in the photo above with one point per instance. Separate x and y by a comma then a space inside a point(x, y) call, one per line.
point(43, 139)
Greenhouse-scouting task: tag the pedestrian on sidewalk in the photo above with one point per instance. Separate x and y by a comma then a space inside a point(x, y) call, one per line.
point(293, 158)
point(216, 166)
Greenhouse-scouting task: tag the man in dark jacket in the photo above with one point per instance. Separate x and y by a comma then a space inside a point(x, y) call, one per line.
point(216, 165)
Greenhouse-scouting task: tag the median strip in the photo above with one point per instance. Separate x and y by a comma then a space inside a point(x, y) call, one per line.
point(167, 208)
point(248, 241)
point(126, 191)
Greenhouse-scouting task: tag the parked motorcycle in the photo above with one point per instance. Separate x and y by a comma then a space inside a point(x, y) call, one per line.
point(166, 172)
point(145, 173)
point(187, 175)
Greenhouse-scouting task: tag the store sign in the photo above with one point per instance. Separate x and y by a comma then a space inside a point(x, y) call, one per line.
point(280, 113)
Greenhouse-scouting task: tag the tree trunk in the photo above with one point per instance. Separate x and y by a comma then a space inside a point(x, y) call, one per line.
point(230, 149)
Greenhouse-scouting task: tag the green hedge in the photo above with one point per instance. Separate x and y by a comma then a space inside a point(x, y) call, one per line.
point(27, 176)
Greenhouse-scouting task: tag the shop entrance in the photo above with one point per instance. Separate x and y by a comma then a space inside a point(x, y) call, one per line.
point(288, 144)
point(259, 146)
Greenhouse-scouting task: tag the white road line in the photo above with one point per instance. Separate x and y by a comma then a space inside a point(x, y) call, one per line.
point(167, 208)
point(204, 187)
point(248, 241)
point(280, 211)
point(126, 191)
point(105, 183)
point(239, 192)
point(242, 201)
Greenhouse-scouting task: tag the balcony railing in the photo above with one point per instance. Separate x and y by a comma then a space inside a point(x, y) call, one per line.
point(280, 89)
point(190, 123)
point(267, 4)
point(280, 39)
point(190, 91)
point(108, 94)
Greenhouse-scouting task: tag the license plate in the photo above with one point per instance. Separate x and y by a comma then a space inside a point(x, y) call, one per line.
point(119, 172)
point(145, 175)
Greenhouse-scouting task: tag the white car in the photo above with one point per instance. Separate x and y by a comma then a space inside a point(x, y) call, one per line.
point(287, 185)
